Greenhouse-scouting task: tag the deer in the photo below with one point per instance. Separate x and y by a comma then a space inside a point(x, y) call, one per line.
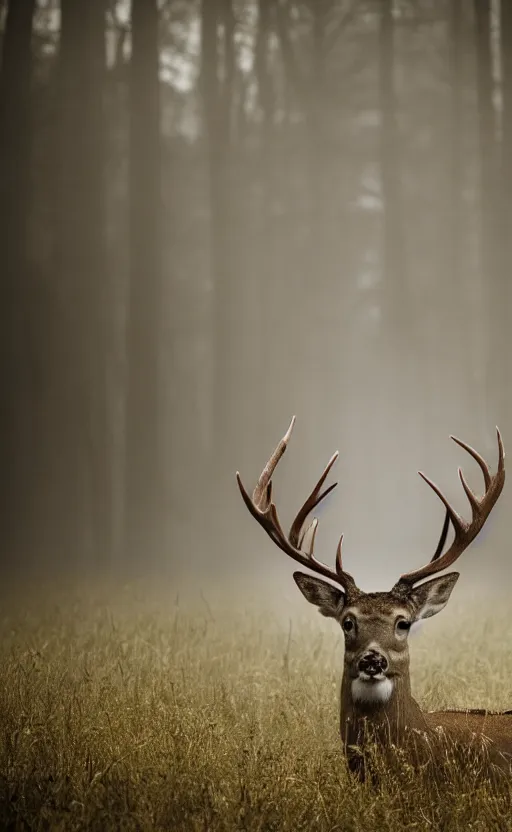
point(376, 701)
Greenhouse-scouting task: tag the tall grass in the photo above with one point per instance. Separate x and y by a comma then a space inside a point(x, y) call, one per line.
point(119, 713)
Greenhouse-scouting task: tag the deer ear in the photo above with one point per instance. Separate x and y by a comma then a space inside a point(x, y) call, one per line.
point(431, 597)
point(326, 597)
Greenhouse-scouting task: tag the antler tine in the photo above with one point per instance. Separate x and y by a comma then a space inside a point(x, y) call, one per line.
point(442, 539)
point(263, 488)
point(339, 563)
point(465, 532)
point(308, 536)
point(264, 511)
point(312, 501)
point(481, 461)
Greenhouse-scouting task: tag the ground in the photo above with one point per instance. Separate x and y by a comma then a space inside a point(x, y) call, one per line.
point(125, 709)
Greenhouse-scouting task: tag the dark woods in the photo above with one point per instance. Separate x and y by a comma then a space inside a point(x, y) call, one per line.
point(216, 214)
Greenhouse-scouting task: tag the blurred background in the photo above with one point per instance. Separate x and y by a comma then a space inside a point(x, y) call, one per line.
point(215, 215)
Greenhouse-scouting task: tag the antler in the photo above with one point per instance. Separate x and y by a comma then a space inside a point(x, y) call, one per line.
point(300, 542)
point(465, 532)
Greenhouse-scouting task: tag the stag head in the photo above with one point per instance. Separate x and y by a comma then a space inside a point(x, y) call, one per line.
point(375, 625)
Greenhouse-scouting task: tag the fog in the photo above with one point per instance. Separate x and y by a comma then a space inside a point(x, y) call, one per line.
point(218, 215)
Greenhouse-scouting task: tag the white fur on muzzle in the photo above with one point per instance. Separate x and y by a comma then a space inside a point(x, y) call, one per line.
point(373, 690)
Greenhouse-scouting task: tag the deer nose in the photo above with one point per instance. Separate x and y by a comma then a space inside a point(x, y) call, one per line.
point(372, 663)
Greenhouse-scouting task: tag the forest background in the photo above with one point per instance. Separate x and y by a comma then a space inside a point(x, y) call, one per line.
point(214, 215)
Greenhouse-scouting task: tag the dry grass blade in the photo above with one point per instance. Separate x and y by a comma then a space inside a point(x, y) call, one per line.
point(135, 718)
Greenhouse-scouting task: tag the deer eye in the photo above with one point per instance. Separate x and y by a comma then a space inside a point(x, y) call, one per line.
point(348, 625)
point(403, 625)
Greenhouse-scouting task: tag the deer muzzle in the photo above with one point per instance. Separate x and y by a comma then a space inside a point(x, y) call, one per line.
point(372, 664)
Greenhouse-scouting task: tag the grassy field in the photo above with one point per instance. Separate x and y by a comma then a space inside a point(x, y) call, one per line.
point(119, 712)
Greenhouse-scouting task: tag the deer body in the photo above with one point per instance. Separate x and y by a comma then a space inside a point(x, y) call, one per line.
point(376, 699)
point(463, 726)
point(376, 687)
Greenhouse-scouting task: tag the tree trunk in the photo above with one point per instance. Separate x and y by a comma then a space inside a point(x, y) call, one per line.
point(454, 369)
point(456, 44)
point(144, 507)
point(393, 370)
point(490, 243)
point(81, 438)
point(395, 288)
point(263, 268)
point(15, 193)
point(503, 295)
point(506, 63)
point(216, 114)
point(322, 270)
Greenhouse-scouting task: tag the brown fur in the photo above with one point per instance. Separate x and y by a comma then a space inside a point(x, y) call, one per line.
point(376, 694)
point(400, 721)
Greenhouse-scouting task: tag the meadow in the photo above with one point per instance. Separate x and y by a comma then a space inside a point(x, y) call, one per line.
point(127, 710)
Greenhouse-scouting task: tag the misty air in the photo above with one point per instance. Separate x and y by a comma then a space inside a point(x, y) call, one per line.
point(255, 270)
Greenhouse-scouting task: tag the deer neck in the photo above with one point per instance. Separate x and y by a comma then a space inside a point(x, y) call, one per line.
point(387, 722)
